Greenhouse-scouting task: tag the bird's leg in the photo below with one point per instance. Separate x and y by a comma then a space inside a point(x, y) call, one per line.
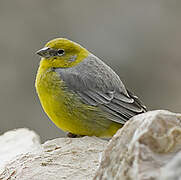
point(71, 135)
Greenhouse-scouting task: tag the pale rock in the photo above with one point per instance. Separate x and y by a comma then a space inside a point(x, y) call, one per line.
point(62, 158)
point(15, 142)
point(146, 148)
point(142, 147)
point(172, 170)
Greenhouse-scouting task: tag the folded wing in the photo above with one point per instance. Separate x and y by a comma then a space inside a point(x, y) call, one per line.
point(98, 85)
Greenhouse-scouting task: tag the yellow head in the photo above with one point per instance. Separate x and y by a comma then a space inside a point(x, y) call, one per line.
point(63, 53)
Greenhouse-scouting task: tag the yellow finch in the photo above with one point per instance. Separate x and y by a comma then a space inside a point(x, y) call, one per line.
point(80, 93)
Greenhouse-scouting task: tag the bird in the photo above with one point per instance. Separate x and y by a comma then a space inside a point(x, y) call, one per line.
point(80, 93)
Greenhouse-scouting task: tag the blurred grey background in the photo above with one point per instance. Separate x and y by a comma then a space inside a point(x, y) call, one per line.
point(140, 40)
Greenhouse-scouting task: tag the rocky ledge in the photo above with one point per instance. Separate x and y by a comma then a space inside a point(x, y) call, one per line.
point(148, 147)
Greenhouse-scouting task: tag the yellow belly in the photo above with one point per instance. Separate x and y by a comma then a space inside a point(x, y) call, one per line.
point(66, 110)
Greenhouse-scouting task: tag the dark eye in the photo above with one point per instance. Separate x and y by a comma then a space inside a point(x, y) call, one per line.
point(60, 52)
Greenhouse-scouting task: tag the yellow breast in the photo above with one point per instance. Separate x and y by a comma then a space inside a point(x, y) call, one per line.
point(48, 85)
point(66, 110)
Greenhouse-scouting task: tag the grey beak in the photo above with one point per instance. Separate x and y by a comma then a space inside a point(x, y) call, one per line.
point(44, 52)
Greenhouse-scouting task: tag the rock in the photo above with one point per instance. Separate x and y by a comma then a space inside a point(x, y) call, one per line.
point(148, 147)
point(62, 158)
point(139, 150)
point(16, 142)
point(172, 170)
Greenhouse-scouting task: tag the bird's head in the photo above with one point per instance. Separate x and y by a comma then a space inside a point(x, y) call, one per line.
point(62, 53)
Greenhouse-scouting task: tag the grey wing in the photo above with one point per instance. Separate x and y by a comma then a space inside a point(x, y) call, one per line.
point(98, 85)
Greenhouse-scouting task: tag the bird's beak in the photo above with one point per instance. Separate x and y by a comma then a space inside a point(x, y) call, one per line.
point(44, 52)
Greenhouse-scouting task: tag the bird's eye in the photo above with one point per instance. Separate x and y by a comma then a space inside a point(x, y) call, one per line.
point(60, 52)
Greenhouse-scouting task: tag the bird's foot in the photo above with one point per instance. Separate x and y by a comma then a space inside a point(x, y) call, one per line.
point(71, 135)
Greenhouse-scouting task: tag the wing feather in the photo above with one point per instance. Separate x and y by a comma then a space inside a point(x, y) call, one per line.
point(98, 85)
